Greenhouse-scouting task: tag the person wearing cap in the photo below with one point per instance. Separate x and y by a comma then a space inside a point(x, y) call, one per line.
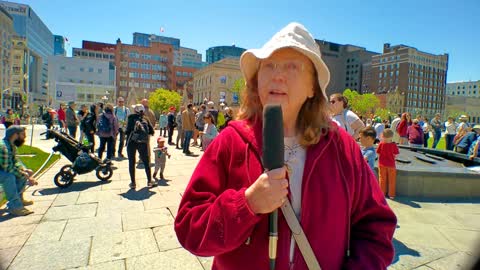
point(13, 174)
point(121, 112)
point(171, 124)
point(160, 153)
point(344, 117)
point(224, 209)
point(136, 119)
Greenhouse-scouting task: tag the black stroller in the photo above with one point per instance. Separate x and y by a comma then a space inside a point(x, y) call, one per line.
point(82, 160)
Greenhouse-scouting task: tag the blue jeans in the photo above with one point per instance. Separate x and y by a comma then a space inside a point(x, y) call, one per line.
point(13, 188)
point(437, 134)
point(186, 143)
point(449, 141)
point(72, 130)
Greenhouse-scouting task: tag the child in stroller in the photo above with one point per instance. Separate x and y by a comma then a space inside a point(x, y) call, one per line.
point(82, 160)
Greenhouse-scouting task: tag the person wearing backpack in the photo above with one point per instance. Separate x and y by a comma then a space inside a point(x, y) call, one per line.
point(122, 113)
point(138, 134)
point(107, 129)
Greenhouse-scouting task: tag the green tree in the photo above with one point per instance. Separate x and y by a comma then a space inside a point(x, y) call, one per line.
point(361, 104)
point(237, 87)
point(385, 114)
point(163, 99)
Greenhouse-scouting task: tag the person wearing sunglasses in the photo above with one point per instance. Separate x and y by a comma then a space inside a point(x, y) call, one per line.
point(344, 117)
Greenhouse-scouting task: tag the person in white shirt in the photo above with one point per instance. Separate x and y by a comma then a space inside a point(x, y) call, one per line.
point(121, 112)
point(393, 127)
point(344, 117)
point(450, 132)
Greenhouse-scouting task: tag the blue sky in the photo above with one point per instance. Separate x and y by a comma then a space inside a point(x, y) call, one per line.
point(441, 26)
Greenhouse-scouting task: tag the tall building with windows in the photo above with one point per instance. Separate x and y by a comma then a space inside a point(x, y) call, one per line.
point(59, 45)
point(190, 58)
point(39, 41)
point(6, 33)
point(85, 81)
point(143, 69)
point(347, 65)
point(214, 82)
point(144, 40)
point(419, 76)
point(218, 53)
point(19, 78)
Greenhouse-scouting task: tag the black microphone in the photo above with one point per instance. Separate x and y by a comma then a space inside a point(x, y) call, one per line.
point(273, 158)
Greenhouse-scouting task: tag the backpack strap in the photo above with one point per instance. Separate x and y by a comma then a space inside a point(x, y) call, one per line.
point(300, 237)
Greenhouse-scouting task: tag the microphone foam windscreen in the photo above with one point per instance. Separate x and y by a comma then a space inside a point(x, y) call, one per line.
point(273, 147)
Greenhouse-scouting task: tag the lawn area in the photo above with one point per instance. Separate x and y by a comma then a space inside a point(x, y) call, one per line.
point(37, 158)
point(440, 145)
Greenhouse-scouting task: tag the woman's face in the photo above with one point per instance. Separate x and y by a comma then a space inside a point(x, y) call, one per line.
point(336, 105)
point(286, 78)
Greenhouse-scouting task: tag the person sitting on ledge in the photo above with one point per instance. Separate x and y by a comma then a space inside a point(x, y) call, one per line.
point(13, 174)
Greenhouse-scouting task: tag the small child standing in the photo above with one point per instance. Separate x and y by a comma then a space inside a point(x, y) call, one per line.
point(367, 138)
point(387, 150)
point(161, 154)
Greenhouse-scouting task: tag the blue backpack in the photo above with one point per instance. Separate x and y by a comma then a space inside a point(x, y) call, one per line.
point(104, 124)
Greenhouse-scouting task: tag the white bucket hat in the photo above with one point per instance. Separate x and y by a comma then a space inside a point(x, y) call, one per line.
point(294, 36)
point(138, 108)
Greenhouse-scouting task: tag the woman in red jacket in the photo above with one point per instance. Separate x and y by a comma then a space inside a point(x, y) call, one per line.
point(224, 210)
point(402, 127)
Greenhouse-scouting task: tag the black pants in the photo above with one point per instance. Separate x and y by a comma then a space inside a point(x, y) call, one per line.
point(426, 136)
point(91, 140)
point(142, 148)
point(170, 134)
point(109, 142)
point(449, 141)
point(72, 130)
point(121, 142)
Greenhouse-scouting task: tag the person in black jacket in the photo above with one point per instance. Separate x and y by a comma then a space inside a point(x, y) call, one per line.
point(89, 125)
point(136, 124)
point(171, 124)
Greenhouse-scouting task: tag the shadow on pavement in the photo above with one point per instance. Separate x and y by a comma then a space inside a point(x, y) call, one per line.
point(402, 249)
point(416, 202)
point(138, 195)
point(75, 187)
point(163, 182)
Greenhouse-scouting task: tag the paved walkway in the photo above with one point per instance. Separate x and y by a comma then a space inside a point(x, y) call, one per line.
point(96, 225)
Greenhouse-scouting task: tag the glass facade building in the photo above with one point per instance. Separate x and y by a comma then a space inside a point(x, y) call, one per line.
point(218, 53)
point(141, 39)
point(59, 45)
point(39, 41)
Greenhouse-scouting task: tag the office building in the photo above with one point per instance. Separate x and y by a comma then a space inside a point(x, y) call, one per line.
point(39, 43)
point(85, 81)
point(218, 53)
point(464, 89)
point(214, 82)
point(59, 45)
point(346, 65)
point(419, 76)
point(6, 33)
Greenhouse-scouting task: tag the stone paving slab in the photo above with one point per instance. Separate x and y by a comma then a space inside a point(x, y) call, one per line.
point(98, 196)
point(115, 265)
point(52, 256)
point(71, 211)
point(463, 240)
point(13, 240)
point(121, 206)
point(9, 221)
point(177, 259)
point(93, 226)
point(66, 199)
point(456, 261)
point(147, 219)
point(110, 247)
point(49, 231)
point(422, 235)
point(411, 257)
point(6, 231)
point(7, 255)
point(166, 238)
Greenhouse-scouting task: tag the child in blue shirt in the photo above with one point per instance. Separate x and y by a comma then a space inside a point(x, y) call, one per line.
point(367, 138)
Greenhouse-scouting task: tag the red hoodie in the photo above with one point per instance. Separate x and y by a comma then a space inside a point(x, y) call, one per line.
point(339, 191)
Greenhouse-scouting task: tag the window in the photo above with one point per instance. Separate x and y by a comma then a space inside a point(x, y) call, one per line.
point(82, 69)
point(99, 71)
point(62, 68)
point(133, 54)
point(90, 69)
point(145, 66)
point(133, 65)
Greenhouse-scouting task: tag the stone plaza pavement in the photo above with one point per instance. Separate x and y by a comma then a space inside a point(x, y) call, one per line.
point(97, 225)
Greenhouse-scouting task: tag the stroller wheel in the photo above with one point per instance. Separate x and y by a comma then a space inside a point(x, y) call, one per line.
point(68, 169)
point(104, 172)
point(63, 179)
